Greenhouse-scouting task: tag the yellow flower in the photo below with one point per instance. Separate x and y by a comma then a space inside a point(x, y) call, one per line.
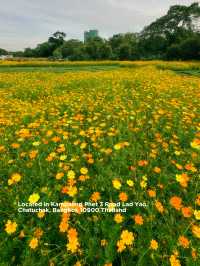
point(118, 218)
point(10, 182)
point(63, 157)
point(104, 242)
point(36, 143)
point(174, 261)
point(195, 144)
point(83, 145)
point(143, 184)
point(71, 174)
point(117, 146)
point(116, 184)
point(197, 214)
point(33, 198)
point(154, 244)
point(196, 230)
point(33, 243)
point(10, 227)
point(84, 171)
point(127, 237)
point(159, 206)
point(120, 246)
point(72, 191)
point(130, 183)
point(16, 177)
point(41, 214)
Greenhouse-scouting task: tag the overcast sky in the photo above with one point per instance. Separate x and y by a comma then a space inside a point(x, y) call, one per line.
point(24, 23)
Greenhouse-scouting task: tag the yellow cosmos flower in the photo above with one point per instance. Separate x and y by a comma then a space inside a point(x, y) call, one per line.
point(196, 230)
point(33, 198)
point(72, 191)
point(71, 174)
point(116, 184)
point(130, 183)
point(33, 243)
point(10, 227)
point(63, 157)
point(153, 244)
point(83, 145)
point(195, 144)
point(40, 214)
point(118, 218)
point(127, 237)
point(117, 146)
point(197, 214)
point(36, 143)
point(15, 178)
point(84, 171)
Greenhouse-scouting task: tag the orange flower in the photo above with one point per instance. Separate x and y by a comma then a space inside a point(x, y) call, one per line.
point(187, 212)
point(33, 154)
point(194, 254)
point(33, 243)
point(176, 202)
point(123, 196)
point(138, 219)
point(56, 139)
point(184, 242)
point(196, 230)
point(38, 233)
point(154, 244)
point(64, 190)
point(63, 227)
point(15, 145)
point(159, 206)
point(143, 163)
point(73, 243)
point(95, 196)
point(59, 175)
point(157, 170)
point(151, 193)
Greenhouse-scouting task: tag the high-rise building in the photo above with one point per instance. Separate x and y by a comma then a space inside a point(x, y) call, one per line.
point(90, 34)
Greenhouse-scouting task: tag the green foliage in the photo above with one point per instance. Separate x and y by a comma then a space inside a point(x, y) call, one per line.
point(187, 50)
point(3, 52)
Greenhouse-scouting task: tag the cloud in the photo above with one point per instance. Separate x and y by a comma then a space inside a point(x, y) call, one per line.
point(25, 23)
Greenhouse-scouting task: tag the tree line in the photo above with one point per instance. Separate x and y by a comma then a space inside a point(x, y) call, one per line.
point(175, 35)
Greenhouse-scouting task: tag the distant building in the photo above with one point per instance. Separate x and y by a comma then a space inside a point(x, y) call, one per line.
point(90, 34)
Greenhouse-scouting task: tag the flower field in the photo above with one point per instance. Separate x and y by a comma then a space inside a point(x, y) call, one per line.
point(119, 149)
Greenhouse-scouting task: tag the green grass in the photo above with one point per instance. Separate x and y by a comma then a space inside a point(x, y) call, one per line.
point(189, 72)
point(56, 69)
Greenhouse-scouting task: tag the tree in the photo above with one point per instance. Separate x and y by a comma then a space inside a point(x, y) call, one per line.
point(57, 39)
point(45, 49)
point(3, 52)
point(28, 52)
point(178, 16)
point(97, 48)
point(124, 46)
point(188, 49)
point(68, 48)
point(178, 24)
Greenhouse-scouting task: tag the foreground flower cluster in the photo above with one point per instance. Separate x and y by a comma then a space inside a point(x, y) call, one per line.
point(128, 136)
